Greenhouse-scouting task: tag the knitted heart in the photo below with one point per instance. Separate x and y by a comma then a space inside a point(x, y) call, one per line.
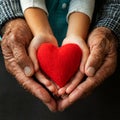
point(59, 63)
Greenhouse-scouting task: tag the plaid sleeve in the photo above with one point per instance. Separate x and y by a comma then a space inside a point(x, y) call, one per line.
point(9, 9)
point(109, 16)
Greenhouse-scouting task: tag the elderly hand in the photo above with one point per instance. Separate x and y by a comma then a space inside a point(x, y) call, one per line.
point(15, 41)
point(101, 64)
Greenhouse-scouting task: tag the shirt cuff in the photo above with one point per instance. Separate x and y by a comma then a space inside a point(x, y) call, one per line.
point(83, 6)
point(33, 3)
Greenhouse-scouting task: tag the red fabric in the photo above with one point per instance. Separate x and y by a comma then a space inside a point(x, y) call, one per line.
point(59, 63)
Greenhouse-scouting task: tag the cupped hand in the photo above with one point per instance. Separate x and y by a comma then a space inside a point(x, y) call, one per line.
point(15, 41)
point(32, 50)
point(100, 65)
point(36, 42)
point(75, 39)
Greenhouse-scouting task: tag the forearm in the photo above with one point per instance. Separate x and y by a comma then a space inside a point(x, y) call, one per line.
point(78, 24)
point(79, 17)
point(9, 9)
point(83, 6)
point(37, 20)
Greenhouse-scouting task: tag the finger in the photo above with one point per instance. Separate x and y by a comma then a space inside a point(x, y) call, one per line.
point(33, 55)
point(70, 86)
point(34, 45)
point(13, 49)
point(32, 50)
point(96, 57)
point(62, 91)
point(85, 54)
point(19, 35)
point(75, 82)
point(46, 82)
point(32, 86)
point(67, 89)
point(94, 62)
point(83, 47)
point(38, 91)
point(90, 83)
point(21, 57)
point(27, 82)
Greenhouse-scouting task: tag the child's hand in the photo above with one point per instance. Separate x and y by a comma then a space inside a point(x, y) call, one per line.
point(80, 74)
point(35, 43)
point(49, 85)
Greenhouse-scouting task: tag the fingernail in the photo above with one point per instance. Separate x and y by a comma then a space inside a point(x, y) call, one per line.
point(91, 71)
point(27, 70)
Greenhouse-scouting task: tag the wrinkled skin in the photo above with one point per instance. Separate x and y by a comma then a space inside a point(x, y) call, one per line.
point(15, 42)
point(102, 60)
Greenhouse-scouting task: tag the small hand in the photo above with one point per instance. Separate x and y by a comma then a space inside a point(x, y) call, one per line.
point(32, 50)
point(81, 72)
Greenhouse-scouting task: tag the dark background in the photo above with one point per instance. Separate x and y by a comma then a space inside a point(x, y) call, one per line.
point(17, 104)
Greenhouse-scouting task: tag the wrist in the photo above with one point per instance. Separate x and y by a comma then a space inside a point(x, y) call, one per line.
point(74, 37)
point(46, 37)
point(43, 31)
point(17, 27)
point(104, 32)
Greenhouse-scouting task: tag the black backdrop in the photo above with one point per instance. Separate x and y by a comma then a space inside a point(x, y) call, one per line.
point(17, 104)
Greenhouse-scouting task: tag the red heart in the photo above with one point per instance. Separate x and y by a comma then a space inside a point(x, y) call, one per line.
point(59, 63)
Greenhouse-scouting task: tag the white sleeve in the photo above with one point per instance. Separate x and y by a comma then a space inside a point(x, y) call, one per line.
point(84, 6)
point(33, 3)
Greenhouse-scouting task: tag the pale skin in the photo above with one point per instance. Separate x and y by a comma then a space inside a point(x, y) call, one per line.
point(101, 40)
point(42, 33)
point(39, 25)
point(77, 33)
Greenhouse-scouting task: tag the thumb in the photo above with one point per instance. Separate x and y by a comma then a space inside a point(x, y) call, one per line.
point(23, 60)
point(95, 60)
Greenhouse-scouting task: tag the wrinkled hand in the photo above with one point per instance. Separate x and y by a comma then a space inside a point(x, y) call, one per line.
point(15, 41)
point(75, 39)
point(101, 64)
